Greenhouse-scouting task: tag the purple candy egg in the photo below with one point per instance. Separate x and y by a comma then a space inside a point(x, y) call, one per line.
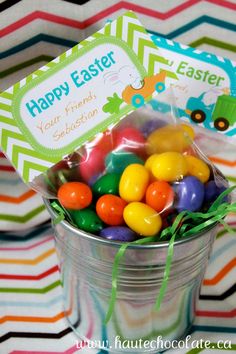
point(151, 125)
point(118, 233)
point(212, 191)
point(190, 194)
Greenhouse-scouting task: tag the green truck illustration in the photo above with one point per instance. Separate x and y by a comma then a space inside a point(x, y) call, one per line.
point(224, 114)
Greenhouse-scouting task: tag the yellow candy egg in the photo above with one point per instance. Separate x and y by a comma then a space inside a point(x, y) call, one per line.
point(142, 219)
point(198, 168)
point(168, 138)
point(133, 183)
point(149, 162)
point(188, 130)
point(169, 167)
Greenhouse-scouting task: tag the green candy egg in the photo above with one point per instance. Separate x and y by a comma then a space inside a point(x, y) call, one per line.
point(87, 220)
point(117, 161)
point(107, 184)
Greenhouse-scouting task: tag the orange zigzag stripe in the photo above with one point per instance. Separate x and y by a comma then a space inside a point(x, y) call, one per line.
point(28, 261)
point(223, 161)
point(222, 273)
point(17, 200)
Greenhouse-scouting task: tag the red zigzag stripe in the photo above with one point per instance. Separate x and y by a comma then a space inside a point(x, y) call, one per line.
point(105, 13)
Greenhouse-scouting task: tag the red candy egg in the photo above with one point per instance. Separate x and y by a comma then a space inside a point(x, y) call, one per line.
point(105, 142)
point(92, 163)
point(159, 196)
point(129, 139)
point(110, 208)
point(74, 195)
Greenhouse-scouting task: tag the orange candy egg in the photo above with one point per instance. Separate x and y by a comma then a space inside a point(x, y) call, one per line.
point(75, 195)
point(159, 196)
point(110, 209)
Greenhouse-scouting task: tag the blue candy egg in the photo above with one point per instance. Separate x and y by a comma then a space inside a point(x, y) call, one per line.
point(118, 233)
point(190, 194)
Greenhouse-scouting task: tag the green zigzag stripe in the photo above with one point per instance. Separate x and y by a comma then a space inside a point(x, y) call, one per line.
point(107, 30)
point(22, 218)
point(146, 43)
point(5, 107)
point(8, 121)
point(16, 88)
point(223, 232)
point(97, 35)
point(132, 28)
point(44, 290)
point(9, 134)
point(17, 149)
point(29, 165)
point(7, 95)
point(119, 27)
point(213, 42)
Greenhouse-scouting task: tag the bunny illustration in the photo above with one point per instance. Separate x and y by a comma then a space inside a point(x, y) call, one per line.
point(136, 89)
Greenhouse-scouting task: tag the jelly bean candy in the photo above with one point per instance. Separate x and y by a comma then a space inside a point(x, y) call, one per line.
point(107, 184)
point(190, 194)
point(142, 219)
point(159, 196)
point(133, 183)
point(92, 163)
point(87, 220)
point(168, 138)
point(129, 139)
point(74, 195)
point(118, 233)
point(198, 168)
point(110, 209)
point(169, 166)
point(117, 161)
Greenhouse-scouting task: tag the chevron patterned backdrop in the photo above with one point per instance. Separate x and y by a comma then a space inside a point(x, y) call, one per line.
point(32, 33)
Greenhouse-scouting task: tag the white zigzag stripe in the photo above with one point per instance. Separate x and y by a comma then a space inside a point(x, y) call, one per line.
point(113, 28)
point(68, 53)
point(137, 36)
point(5, 114)
point(22, 158)
point(126, 23)
point(5, 101)
point(147, 52)
point(11, 142)
point(22, 82)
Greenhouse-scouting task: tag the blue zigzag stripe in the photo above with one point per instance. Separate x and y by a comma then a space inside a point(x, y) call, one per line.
point(70, 43)
point(196, 328)
point(198, 21)
point(52, 302)
point(220, 251)
point(36, 39)
point(5, 236)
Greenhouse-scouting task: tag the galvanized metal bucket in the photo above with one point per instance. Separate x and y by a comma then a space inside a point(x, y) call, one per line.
point(86, 268)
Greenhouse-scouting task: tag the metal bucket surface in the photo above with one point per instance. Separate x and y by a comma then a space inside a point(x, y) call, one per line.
point(86, 263)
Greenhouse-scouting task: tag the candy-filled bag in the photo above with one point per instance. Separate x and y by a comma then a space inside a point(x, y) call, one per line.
point(135, 212)
point(146, 164)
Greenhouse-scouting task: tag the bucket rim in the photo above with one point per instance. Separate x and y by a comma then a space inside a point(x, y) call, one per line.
point(100, 240)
